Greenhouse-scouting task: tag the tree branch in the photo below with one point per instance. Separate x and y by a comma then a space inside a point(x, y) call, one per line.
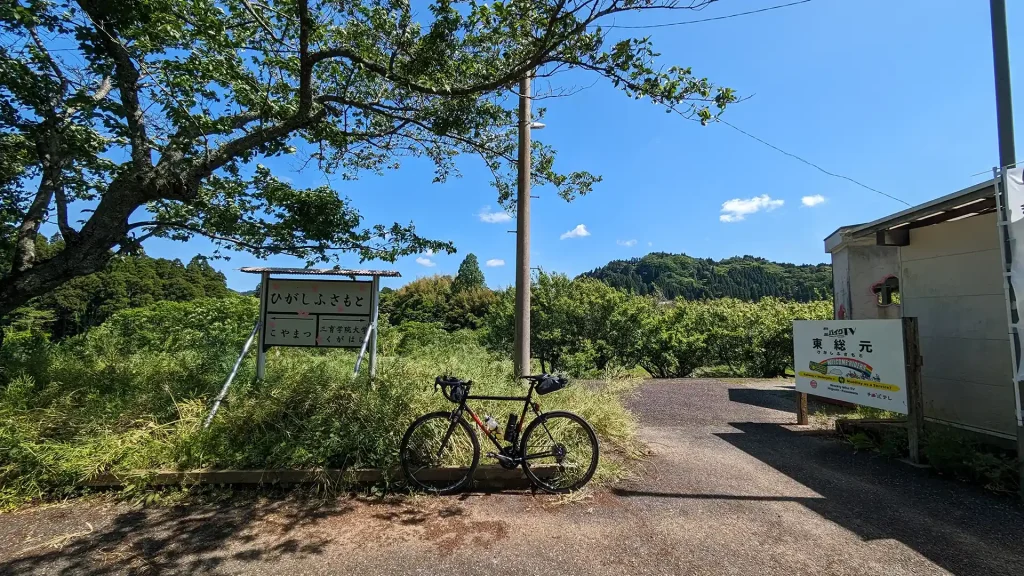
point(49, 60)
point(66, 231)
point(127, 77)
point(305, 62)
point(158, 227)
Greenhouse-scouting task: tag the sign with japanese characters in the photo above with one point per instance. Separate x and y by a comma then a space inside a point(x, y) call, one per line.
point(317, 313)
point(857, 361)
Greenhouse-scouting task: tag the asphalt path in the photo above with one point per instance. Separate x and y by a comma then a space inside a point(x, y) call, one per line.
point(730, 487)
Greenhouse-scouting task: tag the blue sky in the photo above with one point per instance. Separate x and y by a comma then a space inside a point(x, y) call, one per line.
point(898, 95)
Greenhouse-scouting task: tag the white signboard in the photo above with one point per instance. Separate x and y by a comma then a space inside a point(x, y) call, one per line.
point(857, 361)
point(317, 313)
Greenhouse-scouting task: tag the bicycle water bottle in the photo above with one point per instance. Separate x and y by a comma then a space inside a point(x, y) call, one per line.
point(491, 423)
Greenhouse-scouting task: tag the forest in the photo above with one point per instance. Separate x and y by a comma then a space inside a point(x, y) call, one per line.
point(671, 276)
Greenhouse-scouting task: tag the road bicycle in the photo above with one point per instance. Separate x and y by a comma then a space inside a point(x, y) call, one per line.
point(558, 451)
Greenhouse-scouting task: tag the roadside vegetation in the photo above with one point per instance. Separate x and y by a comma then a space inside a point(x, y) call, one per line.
point(131, 394)
point(952, 453)
point(583, 326)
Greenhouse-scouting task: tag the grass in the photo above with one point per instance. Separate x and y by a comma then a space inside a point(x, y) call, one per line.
point(102, 403)
point(950, 452)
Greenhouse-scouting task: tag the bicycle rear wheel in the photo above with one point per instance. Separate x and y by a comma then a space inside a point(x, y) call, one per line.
point(439, 453)
point(560, 452)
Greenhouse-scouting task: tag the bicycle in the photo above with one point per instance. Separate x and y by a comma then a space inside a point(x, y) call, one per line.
point(558, 451)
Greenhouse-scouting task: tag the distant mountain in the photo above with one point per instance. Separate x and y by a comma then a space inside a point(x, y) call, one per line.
point(745, 277)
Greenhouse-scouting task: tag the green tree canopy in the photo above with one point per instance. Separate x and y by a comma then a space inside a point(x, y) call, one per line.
point(470, 277)
point(127, 281)
point(671, 276)
point(433, 300)
point(158, 114)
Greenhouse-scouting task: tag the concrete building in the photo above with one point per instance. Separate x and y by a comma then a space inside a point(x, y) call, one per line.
point(940, 262)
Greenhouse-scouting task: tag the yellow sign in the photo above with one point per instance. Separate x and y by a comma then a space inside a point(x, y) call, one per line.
point(856, 381)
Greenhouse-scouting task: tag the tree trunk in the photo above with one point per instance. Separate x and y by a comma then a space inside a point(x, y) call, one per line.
point(90, 253)
point(25, 247)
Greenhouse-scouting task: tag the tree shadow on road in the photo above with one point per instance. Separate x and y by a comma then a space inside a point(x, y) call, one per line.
point(183, 539)
point(247, 529)
point(959, 527)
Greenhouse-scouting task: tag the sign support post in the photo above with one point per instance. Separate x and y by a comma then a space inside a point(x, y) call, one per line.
point(373, 326)
point(801, 409)
point(261, 350)
point(915, 396)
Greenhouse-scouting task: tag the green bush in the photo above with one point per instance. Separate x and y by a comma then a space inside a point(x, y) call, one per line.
point(131, 395)
point(955, 454)
point(205, 323)
point(583, 326)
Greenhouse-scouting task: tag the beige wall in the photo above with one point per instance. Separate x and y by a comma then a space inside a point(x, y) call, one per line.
point(856, 266)
point(868, 266)
point(951, 282)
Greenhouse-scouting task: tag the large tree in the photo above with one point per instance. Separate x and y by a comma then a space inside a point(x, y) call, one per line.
point(469, 277)
point(157, 113)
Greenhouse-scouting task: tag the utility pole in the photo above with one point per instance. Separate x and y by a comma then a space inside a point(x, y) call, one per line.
point(521, 356)
point(1004, 106)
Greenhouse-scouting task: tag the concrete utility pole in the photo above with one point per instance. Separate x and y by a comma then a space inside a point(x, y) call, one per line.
point(1004, 106)
point(521, 356)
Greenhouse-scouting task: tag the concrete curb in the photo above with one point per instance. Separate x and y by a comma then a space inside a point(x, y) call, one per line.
point(493, 476)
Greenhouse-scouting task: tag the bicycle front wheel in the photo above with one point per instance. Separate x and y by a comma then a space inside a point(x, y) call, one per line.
point(560, 452)
point(439, 453)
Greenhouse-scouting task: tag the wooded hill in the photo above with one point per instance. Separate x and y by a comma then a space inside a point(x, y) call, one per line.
point(746, 277)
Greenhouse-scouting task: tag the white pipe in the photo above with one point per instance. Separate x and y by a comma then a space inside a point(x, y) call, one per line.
point(234, 371)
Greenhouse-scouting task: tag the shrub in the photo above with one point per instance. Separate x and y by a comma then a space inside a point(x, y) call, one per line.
point(955, 454)
point(131, 395)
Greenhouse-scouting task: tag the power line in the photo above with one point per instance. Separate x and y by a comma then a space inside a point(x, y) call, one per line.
point(812, 164)
point(726, 17)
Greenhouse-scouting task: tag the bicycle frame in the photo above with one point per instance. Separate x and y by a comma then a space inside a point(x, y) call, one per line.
point(527, 404)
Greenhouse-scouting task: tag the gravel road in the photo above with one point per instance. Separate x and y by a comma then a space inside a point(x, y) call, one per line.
point(730, 488)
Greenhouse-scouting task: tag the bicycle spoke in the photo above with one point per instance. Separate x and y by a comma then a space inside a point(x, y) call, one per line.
point(563, 450)
point(438, 453)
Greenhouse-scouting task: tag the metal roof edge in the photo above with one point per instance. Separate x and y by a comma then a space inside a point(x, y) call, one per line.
point(925, 207)
point(320, 271)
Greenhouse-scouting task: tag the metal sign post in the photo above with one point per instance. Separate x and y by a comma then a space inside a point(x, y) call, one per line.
point(374, 327)
point(261, 349)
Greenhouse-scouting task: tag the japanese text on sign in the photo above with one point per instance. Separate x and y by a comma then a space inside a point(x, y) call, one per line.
point(317, 313)
point(320, 297)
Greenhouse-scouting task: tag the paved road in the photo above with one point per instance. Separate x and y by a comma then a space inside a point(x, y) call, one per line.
point(729, 489)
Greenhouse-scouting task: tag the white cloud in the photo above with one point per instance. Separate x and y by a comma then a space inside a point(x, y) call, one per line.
point(812, 200)
point(649, 244)
point(626, 242)
point(425, 262)
point(578, 232)
point(737, 209)
point(429, 252)
point(493, 217)
point(493, 262)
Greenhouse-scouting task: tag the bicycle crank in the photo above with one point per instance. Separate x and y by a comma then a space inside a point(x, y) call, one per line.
point(507, 458)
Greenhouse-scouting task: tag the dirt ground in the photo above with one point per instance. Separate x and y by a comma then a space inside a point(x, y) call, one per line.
point(730, 488)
